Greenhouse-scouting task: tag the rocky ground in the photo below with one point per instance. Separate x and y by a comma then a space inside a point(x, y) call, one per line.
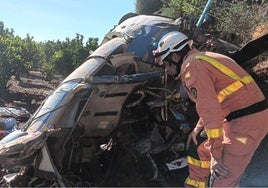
point(30, 91)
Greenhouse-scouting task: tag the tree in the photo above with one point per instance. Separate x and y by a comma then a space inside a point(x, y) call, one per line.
point(147, 6)
point(5, 31)
point(31, 56)
point(10, 59)
point(92, 44)
point(70, 54)
point(178, 8)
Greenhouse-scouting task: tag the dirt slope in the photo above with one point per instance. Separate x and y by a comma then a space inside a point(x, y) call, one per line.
point(30, 91)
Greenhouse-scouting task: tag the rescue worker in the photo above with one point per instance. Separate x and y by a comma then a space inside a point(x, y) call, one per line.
point(231, 107)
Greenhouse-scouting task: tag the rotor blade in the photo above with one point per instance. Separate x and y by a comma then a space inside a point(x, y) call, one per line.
point(251, 49)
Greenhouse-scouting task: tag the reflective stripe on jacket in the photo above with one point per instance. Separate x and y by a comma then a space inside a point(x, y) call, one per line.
point(218, 86)
point(228, 90)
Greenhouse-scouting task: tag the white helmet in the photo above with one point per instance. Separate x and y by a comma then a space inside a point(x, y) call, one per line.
point(171, 42)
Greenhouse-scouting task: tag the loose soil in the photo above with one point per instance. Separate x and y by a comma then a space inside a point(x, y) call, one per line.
point(30, 91)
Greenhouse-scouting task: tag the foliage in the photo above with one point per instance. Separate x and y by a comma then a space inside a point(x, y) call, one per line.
point(239, 19)
point(72, 53)
point(235, 20)
point(64, 56)
point(9, 58)
point(19, 55)
point(148, 6)
point(178, 8)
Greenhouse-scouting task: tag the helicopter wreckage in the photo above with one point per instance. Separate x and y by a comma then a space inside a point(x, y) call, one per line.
point(118, 119)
